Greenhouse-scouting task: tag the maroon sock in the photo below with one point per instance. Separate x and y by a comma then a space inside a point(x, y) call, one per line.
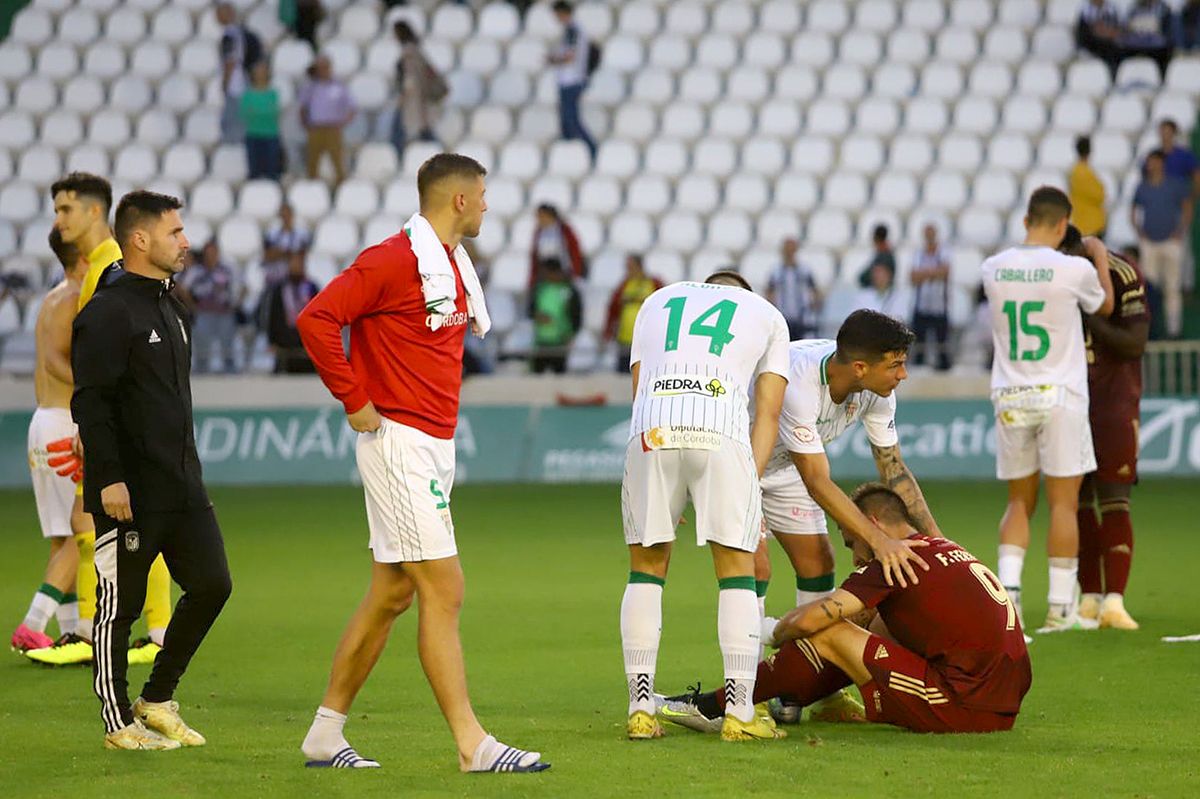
point(1116, 532)
point(1090, 580)
point(796, 673)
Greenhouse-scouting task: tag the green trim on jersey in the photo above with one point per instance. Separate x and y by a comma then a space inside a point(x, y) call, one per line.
point(824, 371)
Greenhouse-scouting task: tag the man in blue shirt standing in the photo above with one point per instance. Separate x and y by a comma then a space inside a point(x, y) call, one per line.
point(571, 58)
point(1162, 206)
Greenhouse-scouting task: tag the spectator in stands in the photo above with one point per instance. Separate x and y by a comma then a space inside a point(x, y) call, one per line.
point(302, 17)
point(794, 292)
point(1179, 162)
point(326, 107)
point(1086, 192)
point(212, 293)
point(284, 301)
point(1161, 209)
point(881, 295)
point(280, 243)
point(883, 256)
point(572, 58)
point(624, 305)
point(260, 118)
point(931, 308)
point(10, 307)
point(1149, 31)
point(1187, 26)
point(1099, 31)
point(241, 50)
point(421, 88)
point(557, 314)
point(554, 239)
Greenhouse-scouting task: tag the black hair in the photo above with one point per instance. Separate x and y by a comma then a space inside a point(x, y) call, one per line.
point(1072, 243)
point(879, 233)
point(868, 335)
point(1083, 146)
point(139, 208)
point(728, 277)
point(85, 184)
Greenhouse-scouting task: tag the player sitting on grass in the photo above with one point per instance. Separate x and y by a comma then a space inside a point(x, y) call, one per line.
point(946, 654)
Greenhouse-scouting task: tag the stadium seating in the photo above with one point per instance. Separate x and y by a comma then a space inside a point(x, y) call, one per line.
point(723, 127)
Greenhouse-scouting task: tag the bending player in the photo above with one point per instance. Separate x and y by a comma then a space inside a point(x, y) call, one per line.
point(832, 386)
point(1040, 392)
point(82, 202)
point(697, 349)
point(1114, 352)
point(944, 655)
point(53, 490)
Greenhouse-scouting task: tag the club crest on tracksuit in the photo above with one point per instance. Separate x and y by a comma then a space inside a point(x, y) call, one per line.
point(132, 542)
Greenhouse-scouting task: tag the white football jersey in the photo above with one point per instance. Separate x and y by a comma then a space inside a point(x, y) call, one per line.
point(811, 419)
point(701, 347)
point(1034, 296)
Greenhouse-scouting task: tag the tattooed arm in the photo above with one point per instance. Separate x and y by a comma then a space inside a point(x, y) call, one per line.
point(813, 617)
point(896, 476)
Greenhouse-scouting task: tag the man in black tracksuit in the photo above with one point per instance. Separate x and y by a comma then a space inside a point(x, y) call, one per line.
point(131, 352)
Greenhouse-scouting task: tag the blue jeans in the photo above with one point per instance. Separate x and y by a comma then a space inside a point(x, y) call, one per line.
point(568, 116)
point(264, 157)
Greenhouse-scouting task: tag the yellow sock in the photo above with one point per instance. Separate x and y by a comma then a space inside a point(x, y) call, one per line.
point(85, 582)
point(158, 595)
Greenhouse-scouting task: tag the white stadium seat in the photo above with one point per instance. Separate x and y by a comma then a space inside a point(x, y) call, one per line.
point(979, 227)
point(631, 232)
point(260, 200)
point(452, 22)
point(763, 156)
point(878, 116)
point(813, 49)
point(845, 190)
point(78, 26)
point(178, 93)
point(1111, 151)
point(875, 15)
point(1183, 75)
point(728, 120)
point(749, 84)
point(844, 81)
point(39, 166)
point(1138, 73)
point(538, 123)
point(466, 89)
point(1039, 79)
point(736, 19)
point(337, 237)
point(973, 14)
point(779, 118)
point(19, 202)
point(1024, 114)
point(1123, 112)
point(1054, 43)
point(104, 60)
point(569, 159)
point(32, 26)
point(990, 79)
point(618, 159)
point(1010, 151)
point(699, 193)
point(895, 191)
point(203, 126)
point(975, 115)
point(1073, 113)
point(749, 193)
point(309, 199)
point(680, 231)
point(941, 79)
point(109, 129)
point(684, 121)
point(638, 19)
point(15, 61)
point(598, 194)
point(370, 90)
point(172, 25)
point(228, 162)
point(781, 16)
point(400, 199)
point(357, 199)
point(649, 194)
point(359, 24)
point(957, 46)
point(828, 117)
point(946, 191)
point(827, 16)
point(717, 51)
point(862, 154)
point(593, 17)
point(812, 154)
point(520, 160)
point(861, 47)
point(996, 189)
point(926, 115)
point(898, 81)
point(960, 152)
point(88, 158)
point(62, 129)
point(907, 46)
point(211, 200)
point(1056, 151)
point(924, 15)
point(714, 156)
point(776, 225)
point(239, 239)
point(491, 123)
point(623, 54)
point(1090, 78)
point(291, 58)
point(795, 82)
point(135, 164)
point(1008, 45)
point(733, 231)
point(686, 19)
point(184, 162)
point(764, 49)
point(654, 85)
point(666, 157)
point(910, 153)
point(36, 95)
point(829, 227)
point(700, 85)
point(57, 61)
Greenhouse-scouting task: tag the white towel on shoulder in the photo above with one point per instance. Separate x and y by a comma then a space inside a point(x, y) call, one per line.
point(437, 277)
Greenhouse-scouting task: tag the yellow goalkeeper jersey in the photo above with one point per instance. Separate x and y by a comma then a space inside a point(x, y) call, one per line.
point(99, 259)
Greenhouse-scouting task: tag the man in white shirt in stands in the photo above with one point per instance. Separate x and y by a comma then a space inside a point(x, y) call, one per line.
point(571, 58)
point(931, 306)
point(1040, 392)
point(697, 350)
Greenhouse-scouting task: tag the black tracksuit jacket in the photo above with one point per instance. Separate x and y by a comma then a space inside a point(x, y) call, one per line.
point(131, 355)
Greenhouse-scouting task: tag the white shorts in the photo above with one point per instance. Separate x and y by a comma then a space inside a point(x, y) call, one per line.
point(1061, 446)
point(55, 495)
point(788, 507)
point(407, 476)
point(722, 484)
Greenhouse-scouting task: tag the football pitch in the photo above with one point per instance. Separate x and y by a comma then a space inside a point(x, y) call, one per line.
point(1110, 714)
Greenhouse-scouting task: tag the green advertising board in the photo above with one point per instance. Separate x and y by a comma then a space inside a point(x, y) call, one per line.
point(495, 444)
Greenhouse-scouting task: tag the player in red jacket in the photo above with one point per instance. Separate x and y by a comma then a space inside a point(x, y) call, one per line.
point(400, 388)
point(943, 655)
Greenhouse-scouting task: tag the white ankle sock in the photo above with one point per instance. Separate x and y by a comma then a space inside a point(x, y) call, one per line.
point(1009, 565)
point(41, 609)
point(641, 629)
point(325, 737)
point(1063, 573)
point(738, 627)
point(83, 628)
point(158, 635)
point(68, 615)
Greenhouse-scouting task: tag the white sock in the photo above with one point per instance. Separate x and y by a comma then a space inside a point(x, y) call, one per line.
point(68, 616)
point(158, 634)
point(83, 628)
point(738, 633)
point(804, 597)
point(762, 606)
point(1009, 566)
point(1097, 598)
point(1063, 573)
point(766, 634)
point(41, 609)
point(641, 629)
point(325, 737)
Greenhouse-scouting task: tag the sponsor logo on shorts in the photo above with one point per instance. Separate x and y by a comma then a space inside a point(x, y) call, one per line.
point(132, 542)
point(679, 385)
point(805, 434)
point(680, 437)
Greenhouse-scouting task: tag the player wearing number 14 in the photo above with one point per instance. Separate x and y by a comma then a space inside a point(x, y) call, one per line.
point(1040, 390)
point(697, 349)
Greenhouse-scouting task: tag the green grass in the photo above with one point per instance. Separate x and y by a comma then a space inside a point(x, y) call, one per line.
point(1110, 714)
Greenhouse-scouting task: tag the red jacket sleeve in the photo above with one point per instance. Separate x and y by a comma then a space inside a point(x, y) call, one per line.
point(352, 294)
point(574, 251)
point(614, 311)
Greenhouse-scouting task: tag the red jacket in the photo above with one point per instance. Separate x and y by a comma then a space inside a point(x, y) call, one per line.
point(577, 265)
point(412, 374)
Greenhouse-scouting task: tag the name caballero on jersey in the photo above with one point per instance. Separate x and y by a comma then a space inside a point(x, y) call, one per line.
point(678, 385)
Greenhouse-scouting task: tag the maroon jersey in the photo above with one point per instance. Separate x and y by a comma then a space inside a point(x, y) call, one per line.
point(1117, 381)
point(960, 619)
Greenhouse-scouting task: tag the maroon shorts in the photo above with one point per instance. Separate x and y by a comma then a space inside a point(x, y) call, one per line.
point(906, 692)
point(1115, 439)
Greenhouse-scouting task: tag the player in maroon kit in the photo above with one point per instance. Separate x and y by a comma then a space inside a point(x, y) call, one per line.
point(943, 655)
point(1114, 351)
point(408, 302)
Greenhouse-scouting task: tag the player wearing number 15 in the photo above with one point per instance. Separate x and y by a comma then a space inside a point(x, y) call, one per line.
point(697, 349)
point(1040, 390)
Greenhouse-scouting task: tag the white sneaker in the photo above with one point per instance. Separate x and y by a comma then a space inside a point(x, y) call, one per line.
point(1056, 623)
point(163, 718)
point(136, 736)
point(1089, 606)
point(1113, 614)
